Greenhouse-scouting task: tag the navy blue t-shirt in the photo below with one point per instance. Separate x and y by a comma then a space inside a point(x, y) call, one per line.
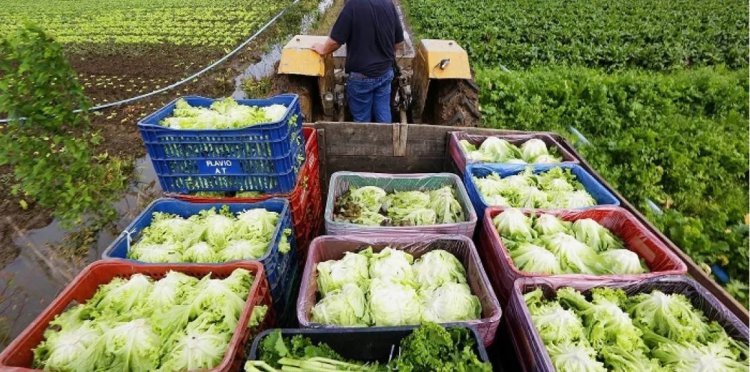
point(370, 29)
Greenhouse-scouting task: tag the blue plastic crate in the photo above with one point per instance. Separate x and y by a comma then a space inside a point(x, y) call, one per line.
point(286, 308)
point(592, 186)
point(279, 267)
point(263, 158)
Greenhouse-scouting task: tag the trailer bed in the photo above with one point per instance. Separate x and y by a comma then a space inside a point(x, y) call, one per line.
point(419, 148)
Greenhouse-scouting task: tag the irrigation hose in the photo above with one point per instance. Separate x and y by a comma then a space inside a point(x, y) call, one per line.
point(191, 77)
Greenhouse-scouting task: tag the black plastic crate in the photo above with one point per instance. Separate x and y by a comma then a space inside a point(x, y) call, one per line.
point(361, 344)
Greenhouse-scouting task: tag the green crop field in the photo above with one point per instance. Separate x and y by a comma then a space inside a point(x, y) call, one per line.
point(649, 34)
point(219, 23)
point(659, 88)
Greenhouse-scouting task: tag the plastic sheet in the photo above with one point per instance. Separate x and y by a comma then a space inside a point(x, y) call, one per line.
point(326, 248)
point(305, 201)
point(503, 273)
point(19, 354)
point(341, 181)
point(361, 344)
point(598, 191)
point(458, 154)
point(530, 349)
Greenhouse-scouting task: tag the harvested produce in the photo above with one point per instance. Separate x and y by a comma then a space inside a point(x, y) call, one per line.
point(428, 348)
point(391, 288)
point(209, 236)
point(498, 150)
point(555, 188)
point(545, 244)
point(646, 332)
point(373, 206)
point(222, 114)
point(137, 324)
point(299, 353)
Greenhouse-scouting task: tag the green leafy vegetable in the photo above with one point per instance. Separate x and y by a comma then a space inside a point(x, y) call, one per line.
point(353, 268)
point(387, 289)
point(531, 258)
point(668, 315)
point(392, 264)
point(138, 324)
point(622, 261)
point(554, 323)
point(567, 357)
point(594, 235)
point(515, 225)
point(554, 188)
point(545, 244)
point(372, 206)
point(547, 224)
point(209, 237)
point(393, 304)
point(651, 331)
point(438, 267)
point(450, 302)
point(299, 353)
point(346, 307)
point(223, 114)
point(574, 256)
point(258, 316)
point(428, 348)
point(498, 150)
point(434, 348)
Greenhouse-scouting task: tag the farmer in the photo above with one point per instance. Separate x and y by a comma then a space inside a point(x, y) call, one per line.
point(371, 30)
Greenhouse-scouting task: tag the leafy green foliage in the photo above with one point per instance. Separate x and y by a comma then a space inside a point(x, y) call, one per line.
point(52, 151)
point(275, 347)
point(648, 331)
point(553, 188)
point(679, 139)
point(222, 114)
point(390, 288)
point(428, 348)
point(208, 236)
point(219, 23)
point(434, 348)
point(554, 246)
point(177, 323)
point(648, 34)
point(373, 206)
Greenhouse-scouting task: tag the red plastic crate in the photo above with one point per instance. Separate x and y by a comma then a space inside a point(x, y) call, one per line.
point(305, 200)
point(502, 272)
point(333, 248)
point(19, 354)
point(459, 156)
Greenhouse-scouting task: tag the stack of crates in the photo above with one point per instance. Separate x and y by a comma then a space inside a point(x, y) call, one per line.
point(665, 269)
point(264, 158)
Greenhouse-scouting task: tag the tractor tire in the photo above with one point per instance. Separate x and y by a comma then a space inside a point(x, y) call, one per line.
point(456, 103)
point(303, 86)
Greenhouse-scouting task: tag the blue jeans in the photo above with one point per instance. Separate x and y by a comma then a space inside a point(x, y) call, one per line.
point(370, 98)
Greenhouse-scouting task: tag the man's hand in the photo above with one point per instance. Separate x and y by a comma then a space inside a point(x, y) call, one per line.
point(320, 48)
point(326, 47)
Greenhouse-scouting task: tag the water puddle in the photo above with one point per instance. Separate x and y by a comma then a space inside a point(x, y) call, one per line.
point(265, 67)
point(36, 276)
